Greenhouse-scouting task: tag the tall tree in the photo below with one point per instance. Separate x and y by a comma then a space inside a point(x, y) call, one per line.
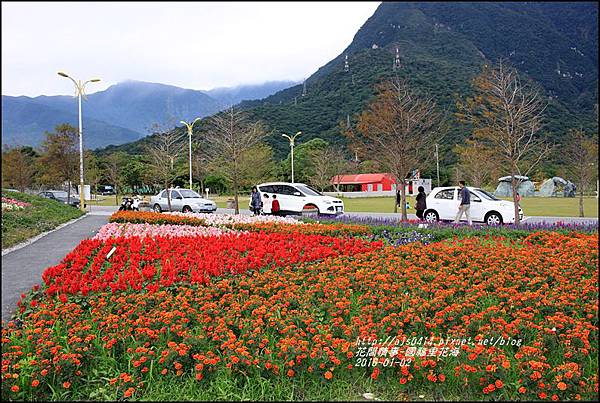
point(60, 157)
point(397, 130)
point(328, 163)
point(230, 137)
point(476, 163)
point(114, 165)
point(18, 168)
point(93, 170)
point(506, 114)
point(257, 166)
point(164, 152)
point(200, 163)
point(582, 158)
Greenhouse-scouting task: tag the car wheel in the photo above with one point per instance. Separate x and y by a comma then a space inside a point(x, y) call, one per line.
point(157, 208)
point(431, 216)
point(187, 209)
point(310, 208)
point(493, 218)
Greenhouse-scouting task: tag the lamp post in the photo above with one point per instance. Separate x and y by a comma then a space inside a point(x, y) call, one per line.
point(79, 92)
point(437, 163)
point(291, 139)
point(189, 129)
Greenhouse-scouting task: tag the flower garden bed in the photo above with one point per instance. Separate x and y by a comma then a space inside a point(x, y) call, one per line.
point(276, 311)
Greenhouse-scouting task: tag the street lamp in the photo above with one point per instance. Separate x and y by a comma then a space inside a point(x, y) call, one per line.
point(291, 139)
point(79, 92)
point(189, 129)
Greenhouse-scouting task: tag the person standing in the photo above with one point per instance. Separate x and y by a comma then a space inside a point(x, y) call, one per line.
point(421, 202)
point(255, 202)
point(275, 206)
point(465, 203)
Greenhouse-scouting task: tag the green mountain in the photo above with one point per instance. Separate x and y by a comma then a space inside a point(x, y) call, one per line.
point(24, 123)
point(442, 46)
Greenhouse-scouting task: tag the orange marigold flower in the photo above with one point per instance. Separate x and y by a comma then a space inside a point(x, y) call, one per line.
point(35, 383)
point(14, 388)
point(498, 383)
point(562, 386)
point(522, 389)
point(328, 375)
point(290, 373)
point(66, 384)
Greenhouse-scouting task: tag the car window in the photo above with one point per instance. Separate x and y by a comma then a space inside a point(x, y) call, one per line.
point(307, 190)
point(474, 197)
point(289, 190)
point(175, 194)
point(60, 194)
point(446, 194)
point(266, 189)
point(283, 190)
point(189, 194)
point(487, 195)
point(163, 194)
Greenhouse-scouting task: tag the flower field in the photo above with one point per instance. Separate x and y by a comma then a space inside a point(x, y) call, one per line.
point(277, 308)
point(12, 204)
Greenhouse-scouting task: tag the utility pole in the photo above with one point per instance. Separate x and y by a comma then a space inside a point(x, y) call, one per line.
point(437, 162)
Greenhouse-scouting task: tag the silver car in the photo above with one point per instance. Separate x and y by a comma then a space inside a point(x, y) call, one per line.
point(184, 200)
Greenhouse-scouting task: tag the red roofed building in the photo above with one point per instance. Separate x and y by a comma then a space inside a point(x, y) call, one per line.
point(373, 185)
point(365, 182)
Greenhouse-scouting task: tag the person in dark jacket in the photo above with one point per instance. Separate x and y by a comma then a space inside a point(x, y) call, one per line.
point(465, 203)
point(255, 202)
point(421, 202)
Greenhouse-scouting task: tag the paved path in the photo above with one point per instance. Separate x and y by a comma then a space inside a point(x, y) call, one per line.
point(23, 268)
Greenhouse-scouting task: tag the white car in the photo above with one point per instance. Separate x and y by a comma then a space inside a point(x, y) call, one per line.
point(297, 197)
point(443, 202)
point(184, 200)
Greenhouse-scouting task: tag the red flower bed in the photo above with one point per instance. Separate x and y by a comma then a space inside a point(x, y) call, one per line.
point(153, 263)
point(304, 321)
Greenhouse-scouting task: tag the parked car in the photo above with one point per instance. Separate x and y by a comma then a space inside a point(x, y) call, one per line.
point(61, 196)
point(443, 202)
point(297, 197)
point(106, 190)
point(184, 200)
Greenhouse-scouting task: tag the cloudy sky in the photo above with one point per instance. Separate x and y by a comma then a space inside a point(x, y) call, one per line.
point(191, 45)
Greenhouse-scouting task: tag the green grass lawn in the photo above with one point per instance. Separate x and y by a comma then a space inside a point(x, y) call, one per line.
point(532, 206)
point(43, 215)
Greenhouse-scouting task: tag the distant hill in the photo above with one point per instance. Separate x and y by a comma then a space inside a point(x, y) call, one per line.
point(234, 95)
point(24, 123)
point(121, 114)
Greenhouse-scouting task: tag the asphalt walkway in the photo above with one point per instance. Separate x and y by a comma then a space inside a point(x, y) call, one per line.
point(23, 268)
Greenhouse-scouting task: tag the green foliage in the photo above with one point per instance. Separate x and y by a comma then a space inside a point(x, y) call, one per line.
point(303, 168)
